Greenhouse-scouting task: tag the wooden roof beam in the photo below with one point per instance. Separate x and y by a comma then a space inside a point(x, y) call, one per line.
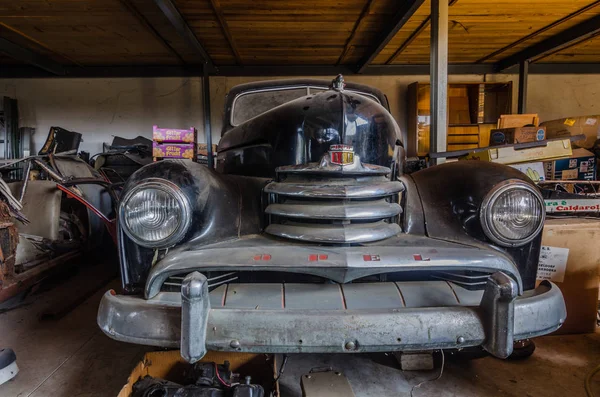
point(365, 11)
point(216, 5)
point(403, 14)
point(414, 35)
point(540, 31)
point(142, 19)
point(171, 12)
point(23, 54)
point(575, 34)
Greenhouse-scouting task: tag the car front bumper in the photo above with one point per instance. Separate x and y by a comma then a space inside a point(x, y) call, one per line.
point(329, 318)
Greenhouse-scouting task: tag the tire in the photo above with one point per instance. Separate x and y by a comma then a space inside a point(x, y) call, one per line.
point(522, 349)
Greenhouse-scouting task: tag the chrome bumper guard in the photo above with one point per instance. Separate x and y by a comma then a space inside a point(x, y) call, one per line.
point(329, 318)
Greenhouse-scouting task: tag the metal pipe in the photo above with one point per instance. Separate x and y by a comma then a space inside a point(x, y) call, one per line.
point(438, 77)
point(49, 170)
point(206, 103)
point(25, 182)
point(523, 75)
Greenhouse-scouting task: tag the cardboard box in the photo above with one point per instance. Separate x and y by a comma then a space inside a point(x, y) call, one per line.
point(171, 366)
point(509, 155)
point(587, 125)
point(580, 166)
point(202, 149)
point(535, 171)
point(570, 259)
point(171, 135)
point(510, 136)
point(174, 150)
point(518, 120)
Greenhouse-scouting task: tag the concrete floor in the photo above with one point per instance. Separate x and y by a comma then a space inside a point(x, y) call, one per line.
point(72, 357)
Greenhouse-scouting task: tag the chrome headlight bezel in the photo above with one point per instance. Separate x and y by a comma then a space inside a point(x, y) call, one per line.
point(486, 212)
point(170, 188)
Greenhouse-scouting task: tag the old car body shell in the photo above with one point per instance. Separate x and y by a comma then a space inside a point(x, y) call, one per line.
point(448, 284)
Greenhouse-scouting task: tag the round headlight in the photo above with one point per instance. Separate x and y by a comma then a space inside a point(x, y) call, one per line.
point(513, 213)
point(155, 213)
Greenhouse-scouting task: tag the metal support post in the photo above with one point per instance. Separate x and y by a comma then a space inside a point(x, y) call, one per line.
point(438, 77)
point(206, 104)
point(523, 75)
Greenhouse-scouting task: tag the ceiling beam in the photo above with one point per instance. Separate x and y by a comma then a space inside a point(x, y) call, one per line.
point(23, 54)
point(150, 28)
point(35, 42)
point(540, 31)
point(183, 29)
point(410, 39)
point(566, 38)
point(216, 5)
point(405, 12)
point(414, 35)
point(327, 71)
point(365, 11)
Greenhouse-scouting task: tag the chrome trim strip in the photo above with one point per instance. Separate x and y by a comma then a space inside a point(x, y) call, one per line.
point(343, 264)
point(350, 233)
point(157, 322)
point(317, 210)
point(372, 190)
point(325, 166)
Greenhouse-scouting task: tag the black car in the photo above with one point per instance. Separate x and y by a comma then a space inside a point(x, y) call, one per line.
point(309, 237)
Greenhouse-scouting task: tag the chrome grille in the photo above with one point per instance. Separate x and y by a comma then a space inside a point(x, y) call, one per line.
point(331, 206)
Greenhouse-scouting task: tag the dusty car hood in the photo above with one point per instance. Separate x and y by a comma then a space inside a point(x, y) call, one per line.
point(302, 130)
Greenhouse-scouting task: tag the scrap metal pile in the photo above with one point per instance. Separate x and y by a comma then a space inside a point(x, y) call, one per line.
point(205, 379)
point(55, 206)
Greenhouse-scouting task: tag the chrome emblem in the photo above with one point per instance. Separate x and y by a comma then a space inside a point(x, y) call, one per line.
point(341, 154)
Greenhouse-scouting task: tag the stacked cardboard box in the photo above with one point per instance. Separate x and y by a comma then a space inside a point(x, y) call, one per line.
point(170, 143)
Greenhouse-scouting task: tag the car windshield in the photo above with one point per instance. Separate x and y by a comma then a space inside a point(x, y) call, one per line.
point(248, 105)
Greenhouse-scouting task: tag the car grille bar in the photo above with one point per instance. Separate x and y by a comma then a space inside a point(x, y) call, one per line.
point(336, 210)
point(333, 208)
point(374, 190)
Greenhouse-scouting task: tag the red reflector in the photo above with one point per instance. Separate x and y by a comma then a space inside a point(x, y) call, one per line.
point(266, 257)
point(323, 257)
point(313, 257)
point(371, 258)
point(418, 257)
point(257, 257)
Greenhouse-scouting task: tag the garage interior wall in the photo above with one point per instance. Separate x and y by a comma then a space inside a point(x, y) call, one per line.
point(100, 108)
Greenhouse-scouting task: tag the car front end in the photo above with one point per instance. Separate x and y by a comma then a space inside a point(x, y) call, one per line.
point(337, 254)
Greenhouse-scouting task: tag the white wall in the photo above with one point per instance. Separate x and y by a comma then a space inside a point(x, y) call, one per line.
point(100, 108)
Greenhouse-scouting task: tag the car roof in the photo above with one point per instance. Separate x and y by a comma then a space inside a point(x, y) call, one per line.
point(241, 88)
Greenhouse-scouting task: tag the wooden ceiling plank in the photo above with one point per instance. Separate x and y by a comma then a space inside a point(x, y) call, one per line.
point(216, 4)
point(403, 14)
point(566, 38)
point(365, 11)
point(26, 55)
point(142, 19)
point(575, 43)
point(409, 40)
point(39, 43)
point(414, 35)
point(184, 30)
point(538, 32)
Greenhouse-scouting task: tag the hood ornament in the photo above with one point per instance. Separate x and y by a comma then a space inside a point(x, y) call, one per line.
point(338, 83)
point(341, 154)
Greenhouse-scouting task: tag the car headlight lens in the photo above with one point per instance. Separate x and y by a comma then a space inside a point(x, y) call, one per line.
point(155, 214)
point(513, 213)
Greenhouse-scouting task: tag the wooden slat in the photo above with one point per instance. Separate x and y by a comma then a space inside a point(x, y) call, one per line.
point(216, 4)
